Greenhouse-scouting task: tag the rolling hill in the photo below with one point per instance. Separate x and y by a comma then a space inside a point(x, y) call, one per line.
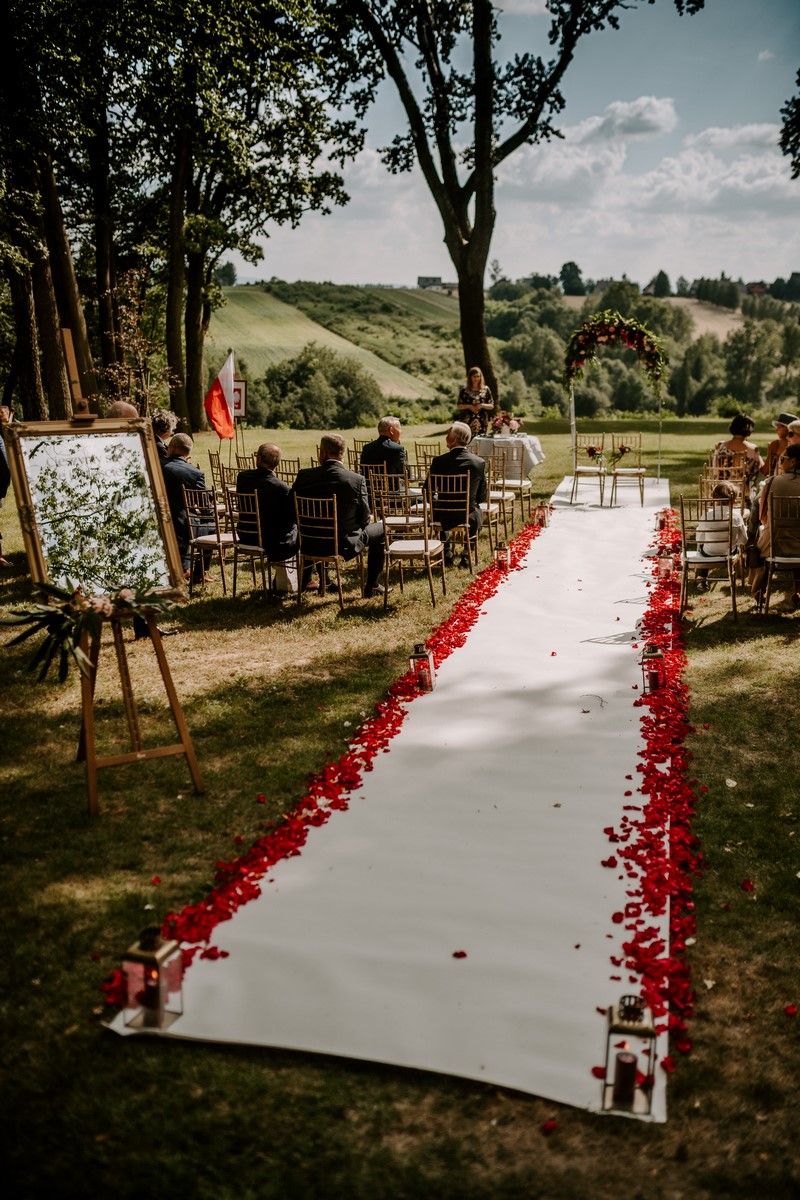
point(261, 329)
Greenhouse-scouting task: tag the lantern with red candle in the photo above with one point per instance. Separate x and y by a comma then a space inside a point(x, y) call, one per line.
point(654, 676)
point(630, 1027)
point(153, 971)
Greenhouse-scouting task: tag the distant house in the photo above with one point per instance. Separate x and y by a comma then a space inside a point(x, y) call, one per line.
point(433, 283)
point(603, 285)
point(756, 289)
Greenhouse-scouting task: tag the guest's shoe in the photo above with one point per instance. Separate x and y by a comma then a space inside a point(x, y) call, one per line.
point(375, 589)
point(701, 585)
point(449, 560)
point(311, 586)
point(4, 562)
point(464, 561)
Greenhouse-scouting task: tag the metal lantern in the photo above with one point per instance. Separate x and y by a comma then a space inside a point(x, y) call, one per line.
point(502, 556)
point(665, 565)
point(661, 519)
point(654, 675)
point(153, 971)
point(628, 1087)
point(421, 663)
point(541, 515)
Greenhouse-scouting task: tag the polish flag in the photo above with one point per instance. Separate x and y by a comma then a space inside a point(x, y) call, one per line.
point(219, 401)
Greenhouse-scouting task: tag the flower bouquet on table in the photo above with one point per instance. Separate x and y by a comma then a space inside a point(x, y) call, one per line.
point(68, 614)
point(504, 425)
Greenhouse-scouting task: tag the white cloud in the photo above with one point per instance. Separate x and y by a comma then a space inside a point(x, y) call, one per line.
point(645, 117)
point(765, 55)
point(735, 137)
point(522, 8)
point(560, 172)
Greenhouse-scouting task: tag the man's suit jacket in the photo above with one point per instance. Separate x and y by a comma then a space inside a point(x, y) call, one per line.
point(461, 461)
point(275, 512)
point(178, 473)
point(384, 450)
point(352, 502)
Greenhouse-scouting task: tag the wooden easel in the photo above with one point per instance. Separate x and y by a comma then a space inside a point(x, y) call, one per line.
point(86, 745)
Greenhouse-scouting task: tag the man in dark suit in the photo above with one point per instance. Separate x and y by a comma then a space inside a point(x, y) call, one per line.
point(355, 531)
point(276, 513)
point(179, 472)
point(386, 447)
point(460, 461)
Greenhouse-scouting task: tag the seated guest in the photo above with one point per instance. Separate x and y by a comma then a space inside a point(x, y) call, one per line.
point(164, 423)
point(121, 408)
point(179, 472)
point(276, 513)
point(785, 482)
point(460, 461)
point(776, 448)
point(386, 447)
point(712, 529)
point(738, 449)
point(355, 531)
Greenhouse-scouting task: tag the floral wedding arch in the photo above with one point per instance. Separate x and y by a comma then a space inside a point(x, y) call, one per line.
point(610, 328)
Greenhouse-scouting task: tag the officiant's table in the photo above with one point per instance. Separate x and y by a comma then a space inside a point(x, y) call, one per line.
point(533, 454)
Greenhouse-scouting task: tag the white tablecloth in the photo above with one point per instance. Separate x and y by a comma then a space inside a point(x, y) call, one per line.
point(533, 448)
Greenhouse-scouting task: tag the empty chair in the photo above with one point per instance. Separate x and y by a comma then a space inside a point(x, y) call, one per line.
point(404, 550)
point(588, 462)
point(245, 462)
point(707, 525)
point(287, 469)
point(515, 478)
point(626, 463)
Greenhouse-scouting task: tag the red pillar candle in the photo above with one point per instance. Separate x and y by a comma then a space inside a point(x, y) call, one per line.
point(625, 1077)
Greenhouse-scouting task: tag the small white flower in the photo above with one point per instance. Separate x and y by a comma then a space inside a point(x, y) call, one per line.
point(730, 783)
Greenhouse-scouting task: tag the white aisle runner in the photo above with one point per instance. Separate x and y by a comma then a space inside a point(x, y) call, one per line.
point(480, 831)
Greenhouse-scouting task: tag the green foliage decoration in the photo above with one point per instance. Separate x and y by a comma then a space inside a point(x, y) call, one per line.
point(68, 616)
point(609, 327)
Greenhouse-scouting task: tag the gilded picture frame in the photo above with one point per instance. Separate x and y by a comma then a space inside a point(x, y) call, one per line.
point(93, 506)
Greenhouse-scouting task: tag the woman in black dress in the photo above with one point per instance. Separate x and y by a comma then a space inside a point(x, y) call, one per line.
point(475, 403)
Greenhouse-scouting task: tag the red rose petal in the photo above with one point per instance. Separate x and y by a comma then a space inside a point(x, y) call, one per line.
point(599, 1072)
point(747, 885)
point(459, 954)
point(549, 1127)
point(156, 879)
point(791, 1010)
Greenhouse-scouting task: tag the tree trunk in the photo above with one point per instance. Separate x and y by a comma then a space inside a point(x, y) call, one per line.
point(195, 338)
point(176, 278)
point(26, 350)
point(65, 283)
point(105, 258)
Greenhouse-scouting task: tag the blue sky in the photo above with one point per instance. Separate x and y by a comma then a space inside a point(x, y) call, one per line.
point(669, 160)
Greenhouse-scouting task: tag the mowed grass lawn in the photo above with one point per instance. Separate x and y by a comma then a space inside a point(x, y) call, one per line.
point(267, 690)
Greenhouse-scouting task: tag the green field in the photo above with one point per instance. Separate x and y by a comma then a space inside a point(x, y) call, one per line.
point(262, 330)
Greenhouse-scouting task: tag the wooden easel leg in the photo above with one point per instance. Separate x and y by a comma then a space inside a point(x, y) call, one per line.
point(127, 691)
point(177, 712)
point(86, 746)
point(91, 680)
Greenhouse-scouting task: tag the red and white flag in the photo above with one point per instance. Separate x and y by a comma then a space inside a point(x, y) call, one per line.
point(219, 401)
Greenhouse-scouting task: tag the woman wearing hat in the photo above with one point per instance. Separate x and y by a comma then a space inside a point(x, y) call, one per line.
point(777, 448)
